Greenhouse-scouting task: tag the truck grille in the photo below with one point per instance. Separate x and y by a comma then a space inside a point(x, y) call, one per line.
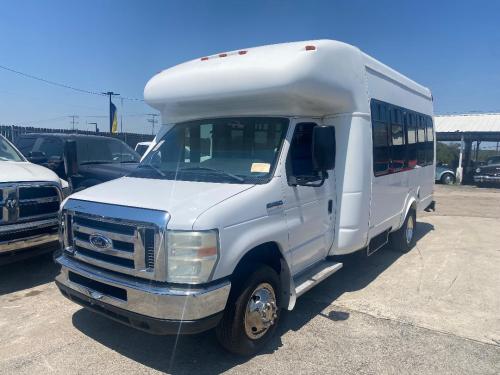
point(118, 245)
point(28, 202)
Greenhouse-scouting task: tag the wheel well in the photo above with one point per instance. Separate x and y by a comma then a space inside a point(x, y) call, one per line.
point(267, 253)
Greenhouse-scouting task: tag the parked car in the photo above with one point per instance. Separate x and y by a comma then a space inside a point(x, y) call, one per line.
point(275, 184)
point(30, 196)
point(142, 147)
point(98, 158)
point(489, 172)
point(444, 174)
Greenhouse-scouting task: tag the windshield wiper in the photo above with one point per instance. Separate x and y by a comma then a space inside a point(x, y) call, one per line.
point(219, 171)
point(156, 169)
point(129, 161)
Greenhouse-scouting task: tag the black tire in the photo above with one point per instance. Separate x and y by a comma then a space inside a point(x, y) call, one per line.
point(401, 240)
point(231, 331)
point(447, 179)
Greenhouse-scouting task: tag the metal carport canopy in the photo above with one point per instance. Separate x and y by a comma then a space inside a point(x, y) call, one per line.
point(476, 127)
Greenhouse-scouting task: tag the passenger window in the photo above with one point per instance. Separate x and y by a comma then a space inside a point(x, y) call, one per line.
point(430, 141)
point(380, 134)
point(422, 146)
point(411, 140)
point(398, 157)
point(300, 162)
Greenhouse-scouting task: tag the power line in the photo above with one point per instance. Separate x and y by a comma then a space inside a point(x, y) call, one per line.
point(61, 84)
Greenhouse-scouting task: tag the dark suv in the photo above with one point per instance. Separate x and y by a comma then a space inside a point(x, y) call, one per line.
point(98, 158)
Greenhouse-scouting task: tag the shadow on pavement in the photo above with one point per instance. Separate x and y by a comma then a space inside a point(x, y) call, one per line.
point(25, 274)
point(202, 354)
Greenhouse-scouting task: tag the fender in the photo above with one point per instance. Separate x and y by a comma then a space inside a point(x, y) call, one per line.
point(410, 201)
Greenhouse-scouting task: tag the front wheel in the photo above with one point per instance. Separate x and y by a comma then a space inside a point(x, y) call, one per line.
point(252, 313)
point(404, 238)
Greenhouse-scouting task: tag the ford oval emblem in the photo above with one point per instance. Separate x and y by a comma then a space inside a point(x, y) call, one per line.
point(99, 241)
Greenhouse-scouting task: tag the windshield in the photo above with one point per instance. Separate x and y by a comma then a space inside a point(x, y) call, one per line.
point(104, 150)
point(7, 152)
point(229, 150)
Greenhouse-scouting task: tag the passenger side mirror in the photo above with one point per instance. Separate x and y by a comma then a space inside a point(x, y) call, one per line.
point(70, 159)
point(323, 148)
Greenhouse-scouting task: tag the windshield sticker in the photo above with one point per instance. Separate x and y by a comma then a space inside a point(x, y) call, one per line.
point(260, 167)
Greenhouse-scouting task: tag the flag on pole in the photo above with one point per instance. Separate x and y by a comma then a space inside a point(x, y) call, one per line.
point(113, 118)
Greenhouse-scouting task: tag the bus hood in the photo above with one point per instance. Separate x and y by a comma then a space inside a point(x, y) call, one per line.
point(184, 200)
point(12, 171)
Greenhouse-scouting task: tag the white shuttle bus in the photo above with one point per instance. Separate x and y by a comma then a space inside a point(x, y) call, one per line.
point(270, 162)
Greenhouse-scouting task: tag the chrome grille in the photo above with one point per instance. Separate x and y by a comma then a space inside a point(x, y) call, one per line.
point(28, 202)
point(123, 246)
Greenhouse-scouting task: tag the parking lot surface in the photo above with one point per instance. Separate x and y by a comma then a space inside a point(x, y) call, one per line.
point(433, 310)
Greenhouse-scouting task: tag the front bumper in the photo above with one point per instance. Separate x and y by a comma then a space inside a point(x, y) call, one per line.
point(15, 237)
point(484, 178)
point(151, 306)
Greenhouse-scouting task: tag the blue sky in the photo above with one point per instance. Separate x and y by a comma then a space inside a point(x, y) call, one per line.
point(452, 47)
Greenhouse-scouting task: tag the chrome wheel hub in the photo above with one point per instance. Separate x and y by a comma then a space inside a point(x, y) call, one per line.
point(409, 229)
point(261, 311)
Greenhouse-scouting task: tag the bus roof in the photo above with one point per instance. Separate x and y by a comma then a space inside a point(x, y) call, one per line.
point(311, 78)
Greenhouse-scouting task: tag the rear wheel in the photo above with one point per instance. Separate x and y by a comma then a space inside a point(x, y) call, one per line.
point(252, 313)
point(404, 238)
point(447, 179)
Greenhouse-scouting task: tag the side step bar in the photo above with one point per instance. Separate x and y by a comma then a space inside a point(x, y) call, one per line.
point(315, 275)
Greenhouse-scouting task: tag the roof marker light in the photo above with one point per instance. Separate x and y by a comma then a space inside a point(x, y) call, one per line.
point(222, 54)
point(310, 48)
point(204, 58)
point(243, 52)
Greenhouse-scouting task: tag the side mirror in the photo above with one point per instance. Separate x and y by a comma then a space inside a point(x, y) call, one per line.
point(323, 148)
point(70, 159)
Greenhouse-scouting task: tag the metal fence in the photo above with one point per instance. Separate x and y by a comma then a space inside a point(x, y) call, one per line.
point(12, 132)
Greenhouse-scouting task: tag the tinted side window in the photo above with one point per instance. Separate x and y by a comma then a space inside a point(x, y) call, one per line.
point(421, 148)
point(380, 135)
point(430, 141)
point(411, 139)
point(300, 154)
point(398, 150)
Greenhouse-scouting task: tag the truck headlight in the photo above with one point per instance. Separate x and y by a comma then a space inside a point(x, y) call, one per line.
point(191, 255)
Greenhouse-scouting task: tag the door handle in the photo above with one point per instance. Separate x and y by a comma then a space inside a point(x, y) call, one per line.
point(330, 206)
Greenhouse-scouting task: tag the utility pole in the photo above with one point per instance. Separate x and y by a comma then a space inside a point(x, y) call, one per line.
point(95, 124)
point(73, 117)
point(110, 94)
point(153, 121)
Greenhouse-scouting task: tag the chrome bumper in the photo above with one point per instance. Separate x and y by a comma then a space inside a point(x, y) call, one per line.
point(21, 242)
point(481, 178)
point(144, 297)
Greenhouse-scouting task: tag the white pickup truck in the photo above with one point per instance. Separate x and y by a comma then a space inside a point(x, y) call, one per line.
point(30, 196)
point(270, 162)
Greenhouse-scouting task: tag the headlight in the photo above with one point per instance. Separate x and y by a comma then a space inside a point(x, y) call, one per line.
point(191, 256)
point(478, 170)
